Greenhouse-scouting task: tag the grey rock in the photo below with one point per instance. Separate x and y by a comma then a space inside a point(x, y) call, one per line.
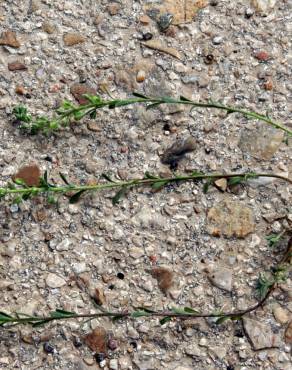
point(221, 277)
point(262, 142)
point(260, 334)
point(55, 281)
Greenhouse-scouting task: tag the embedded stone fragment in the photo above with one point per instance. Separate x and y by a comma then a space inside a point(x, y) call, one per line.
point(78, 90)
point(260, 334)
point(262, 142)
point(71, 39)
point(8, 38)
point(29, 174)
point(183, 11)
point(230, 218)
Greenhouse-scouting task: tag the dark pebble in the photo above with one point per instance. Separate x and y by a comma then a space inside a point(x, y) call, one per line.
point(77, 342)
point(112, 344)
point(48, 348)
point(99, 357)
point(147, 36)
point(120, 275)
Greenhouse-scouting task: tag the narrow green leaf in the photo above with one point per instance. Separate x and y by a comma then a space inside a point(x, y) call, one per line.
point(26, 196)
point(136, 314)
point(106, 177)
point(191, 310)
point(164, 320)
point(206, 186)
point(183, 98)
point(93, 114)
point(159, 184)
point(58, 314)
point(40, 323)
point(146, 309)
point(153, 105)
point(148, 175)
point(75, 198)
point(179, 310)
point(235, 180)
point(19, 182)
point(221, 320)
point(4, 315)
point(63, 177)
point(138, 95)
point(119, 195)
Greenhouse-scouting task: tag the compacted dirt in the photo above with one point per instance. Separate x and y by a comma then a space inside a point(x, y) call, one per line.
point(175, 247)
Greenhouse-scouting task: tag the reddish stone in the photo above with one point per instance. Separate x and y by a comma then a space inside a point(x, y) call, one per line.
point(262, 56)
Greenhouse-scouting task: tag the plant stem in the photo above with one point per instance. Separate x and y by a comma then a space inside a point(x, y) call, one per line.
point(7, 319)
point(69, 111)
point(133, 183)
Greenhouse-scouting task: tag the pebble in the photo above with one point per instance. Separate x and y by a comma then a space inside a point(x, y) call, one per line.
point(262, 56)
point(264, 5)
point(17, 66)
point(93, 126)
point(80, 267)
point(141, 75)
point(222, 184)
point(55, 281)
point(113, 364)
point(49, 28)
point(136, 252)
point(78, 90)
point(260, 334)
point(97, 340)
point(221, 277)
point(230, 218)
point(288, 333)
point(262, 141)
point(217, 40)
point(113, 8)
point(193, 350)
point(164, 276)
point(9, 38)
point(71, 39)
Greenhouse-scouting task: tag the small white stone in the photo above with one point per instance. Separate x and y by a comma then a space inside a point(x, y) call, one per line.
point(55, 281)
point(113, 364)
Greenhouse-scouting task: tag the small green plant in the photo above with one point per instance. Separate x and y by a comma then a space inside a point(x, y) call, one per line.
point(20, 191)
point(274, 239)
point(266, 286)
point(69, 112)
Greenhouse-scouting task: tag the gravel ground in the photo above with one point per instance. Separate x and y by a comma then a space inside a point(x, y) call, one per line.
point(229, 52)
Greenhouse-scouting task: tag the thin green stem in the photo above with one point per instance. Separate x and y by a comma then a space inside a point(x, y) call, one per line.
point(134, 183)
point(70, 111)
point(6, 319)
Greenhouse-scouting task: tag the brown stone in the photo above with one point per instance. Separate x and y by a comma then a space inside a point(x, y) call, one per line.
point(99, 297)
point(230, 218)
point(97, 340)
point(78, 90)
point(29, 174)
point(17, 66)
point(9, 38)
point(182, 10)
point(144, 19)
point(93, 126)
point(164, 277)
point(71, 39)
point(288, 333)
point(49, 27)
point(20, 90)
point(113, 8)
point(262, 56)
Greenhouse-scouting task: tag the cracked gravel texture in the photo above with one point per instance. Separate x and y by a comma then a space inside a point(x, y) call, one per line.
point(44, 247)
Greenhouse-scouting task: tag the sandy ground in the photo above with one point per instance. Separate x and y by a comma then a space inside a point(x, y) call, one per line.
point(229, 52)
